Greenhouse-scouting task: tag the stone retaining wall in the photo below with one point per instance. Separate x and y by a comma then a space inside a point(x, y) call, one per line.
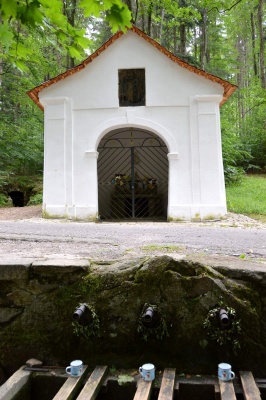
point(38, 298)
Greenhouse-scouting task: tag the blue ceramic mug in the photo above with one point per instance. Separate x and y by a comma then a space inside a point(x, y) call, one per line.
point(75, 368)
point(147, 372)
point(224, 372)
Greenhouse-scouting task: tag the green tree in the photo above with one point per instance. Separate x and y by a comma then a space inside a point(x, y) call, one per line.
point(19, 18)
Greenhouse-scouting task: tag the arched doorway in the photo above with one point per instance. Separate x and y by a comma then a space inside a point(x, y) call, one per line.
point(132, 175)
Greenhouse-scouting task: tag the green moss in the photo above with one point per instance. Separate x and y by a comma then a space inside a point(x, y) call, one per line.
point(66, 295)
point(175, 219)
point(47, 215)
point(209, 217)
point(83, 290)
point(196, 218)
point(155, 247)
point(14, 337)
point(92, 284)
point(124, 379)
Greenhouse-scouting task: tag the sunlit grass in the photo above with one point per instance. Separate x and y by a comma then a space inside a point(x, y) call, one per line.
point(248, 197)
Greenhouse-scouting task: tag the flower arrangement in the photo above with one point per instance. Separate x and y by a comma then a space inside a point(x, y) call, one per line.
point(145, 183)
point(120, 179)
point(149, 183)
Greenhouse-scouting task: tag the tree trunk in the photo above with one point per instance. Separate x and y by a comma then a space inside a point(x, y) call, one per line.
point(241, 62)
point(129, 4)
point(149, 18)
point(183, 38)
point(262, 64)
point(136, 10)
point(203, 40)
point(253, 36)
point(175, 40)
point(70, 12)
point(161, 26)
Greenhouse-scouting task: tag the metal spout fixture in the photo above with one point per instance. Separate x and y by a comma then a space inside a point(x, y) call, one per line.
point(148, 315)
point(79, 312)
point(82, 315)
point(224, 318)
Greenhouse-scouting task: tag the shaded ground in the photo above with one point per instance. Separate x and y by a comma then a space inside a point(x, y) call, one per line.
point(14, 213)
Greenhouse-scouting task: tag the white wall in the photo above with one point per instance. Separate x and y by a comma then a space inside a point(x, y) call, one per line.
point(181, 107)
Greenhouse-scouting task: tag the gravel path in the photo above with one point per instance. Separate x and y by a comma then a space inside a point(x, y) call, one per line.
point(23, 233)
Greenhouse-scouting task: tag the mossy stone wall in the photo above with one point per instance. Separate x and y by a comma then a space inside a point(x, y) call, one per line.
point(38, 298)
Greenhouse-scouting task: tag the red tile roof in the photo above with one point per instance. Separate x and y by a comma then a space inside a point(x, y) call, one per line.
point(229, 88)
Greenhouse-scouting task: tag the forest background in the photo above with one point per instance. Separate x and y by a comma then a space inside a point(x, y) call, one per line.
point(40, 40)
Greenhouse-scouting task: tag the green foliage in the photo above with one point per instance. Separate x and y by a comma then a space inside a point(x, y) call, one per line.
point(21, 122)
point(18, 18)
point(124, 379)
point(36, 199)
point(93, 329)
point(248, 197)
point(3, 200)
point(41, 38)
point(233, 175)
point(117, 13)
point(234, 153)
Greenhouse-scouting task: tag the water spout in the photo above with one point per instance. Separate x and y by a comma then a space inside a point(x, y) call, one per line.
point(82, 315)
point(224, 318)
point(79, 312)
point(147, 317)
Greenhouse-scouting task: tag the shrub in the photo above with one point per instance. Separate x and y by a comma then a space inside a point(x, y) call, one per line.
point(233, 175)
point(3, 200)
point(36, 199)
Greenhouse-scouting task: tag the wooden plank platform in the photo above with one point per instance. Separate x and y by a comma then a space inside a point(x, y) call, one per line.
point(71, 386)
point(227, 390)
point(167, 385)
point(250, 389)
point(94, 383)
point(143, 390)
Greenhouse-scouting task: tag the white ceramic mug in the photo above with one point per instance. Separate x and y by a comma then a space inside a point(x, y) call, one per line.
point(224, 372)
point(147, 372)
point(75, 368)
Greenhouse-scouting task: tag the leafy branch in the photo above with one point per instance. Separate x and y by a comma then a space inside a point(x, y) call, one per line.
point(92, 329)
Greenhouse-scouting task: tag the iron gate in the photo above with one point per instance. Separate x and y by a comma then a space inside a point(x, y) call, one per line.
point(132, 176)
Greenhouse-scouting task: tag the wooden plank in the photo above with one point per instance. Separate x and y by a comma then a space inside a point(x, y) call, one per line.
point(167, 385)
point(217, 392)
point(250, 389)
point(71, 386)
point(94, 383)
point(15, 384)
point(144, 390)
point(227, 390)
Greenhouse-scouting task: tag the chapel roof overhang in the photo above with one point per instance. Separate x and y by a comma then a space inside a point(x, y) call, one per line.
point(229, 88)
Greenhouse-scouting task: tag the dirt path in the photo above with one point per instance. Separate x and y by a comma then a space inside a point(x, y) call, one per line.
point(15, 213)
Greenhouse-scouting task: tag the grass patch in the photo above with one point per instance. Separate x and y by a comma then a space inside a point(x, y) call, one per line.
point(156, 247)
point(258, 217)
point(248, 197)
